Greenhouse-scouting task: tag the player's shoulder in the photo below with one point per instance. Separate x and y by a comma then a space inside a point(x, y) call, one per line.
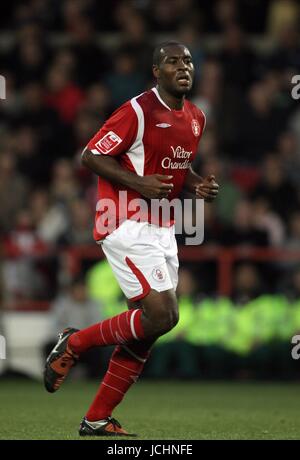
point(124, 111)
point(128, 106)
point(147, 100)
point(125, 107)
point(129, 111)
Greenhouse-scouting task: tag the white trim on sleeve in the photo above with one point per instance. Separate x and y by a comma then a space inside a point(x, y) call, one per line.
point(136, 153)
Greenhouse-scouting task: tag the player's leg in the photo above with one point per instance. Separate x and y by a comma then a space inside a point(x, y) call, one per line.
point(126, 365)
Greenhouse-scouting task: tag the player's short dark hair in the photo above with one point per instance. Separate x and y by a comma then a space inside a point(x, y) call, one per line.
point(157, 55)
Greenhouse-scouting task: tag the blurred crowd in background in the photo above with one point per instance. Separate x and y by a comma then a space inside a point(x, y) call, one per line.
point(69, 63)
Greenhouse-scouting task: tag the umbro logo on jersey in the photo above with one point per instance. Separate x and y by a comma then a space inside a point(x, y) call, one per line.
point(163, 125)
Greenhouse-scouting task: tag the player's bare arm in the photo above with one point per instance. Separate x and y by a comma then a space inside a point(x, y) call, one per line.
point(151, 186)
point(205, 188)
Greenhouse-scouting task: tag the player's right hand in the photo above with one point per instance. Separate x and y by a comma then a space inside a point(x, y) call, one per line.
point(154, 186)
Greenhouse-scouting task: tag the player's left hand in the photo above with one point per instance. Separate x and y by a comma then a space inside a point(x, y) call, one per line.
point(208, 189)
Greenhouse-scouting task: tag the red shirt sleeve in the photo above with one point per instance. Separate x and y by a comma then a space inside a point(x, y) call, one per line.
point(117, 134)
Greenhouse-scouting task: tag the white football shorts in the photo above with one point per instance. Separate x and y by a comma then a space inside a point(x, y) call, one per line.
point(142, 256)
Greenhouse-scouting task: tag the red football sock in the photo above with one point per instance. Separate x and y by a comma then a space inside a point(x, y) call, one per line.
point(120, 329)
point(126, 365)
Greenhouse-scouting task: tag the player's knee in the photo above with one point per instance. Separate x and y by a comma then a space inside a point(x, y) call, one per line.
point(167, 320)
point(161, 311)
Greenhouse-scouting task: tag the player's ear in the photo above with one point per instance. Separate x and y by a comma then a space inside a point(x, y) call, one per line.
point(155, 70)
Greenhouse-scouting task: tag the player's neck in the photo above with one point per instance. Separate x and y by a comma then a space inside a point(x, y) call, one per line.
point(171, 101)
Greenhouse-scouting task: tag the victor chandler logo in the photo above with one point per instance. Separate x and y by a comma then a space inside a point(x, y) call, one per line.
point(178, 153)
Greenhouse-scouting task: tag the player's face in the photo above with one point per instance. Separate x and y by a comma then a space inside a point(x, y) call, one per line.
point(176, 70)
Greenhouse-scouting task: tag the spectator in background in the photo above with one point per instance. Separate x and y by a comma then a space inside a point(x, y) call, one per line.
point(221, 14)
point(209, 146)
point(166, 16)
point(291, 241)
point(65, 58)
point(207, 93)
point(260, 124)
point(188, 33)
point(275, 187)
point(80, 229)
point(62, 94)
point(292, 285)
point(64, 186)
point(92, 62)
point(237, 60)
point(29, 57)
point(49, 219)
point(225, 13)
point(123, 10)
point(187, 284)
point(84, 127)
point(247, 284)
point(42, 119)
point(224, 205)
point(282, 16)
point(74, 11)
point(22, 277)
point(98, 101)
point(243, 231)
point(104, 288)
point(135, 41)
point(125, 81)
point(213, 227)
point(27, 143)
point(289, 156)
point(75, 307)
point(268, 221)
point(287, 53)
point(293, 235)
point(43, 12)
point(13, 190)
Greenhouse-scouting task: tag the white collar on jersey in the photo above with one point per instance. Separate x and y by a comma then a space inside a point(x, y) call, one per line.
point(159, 98)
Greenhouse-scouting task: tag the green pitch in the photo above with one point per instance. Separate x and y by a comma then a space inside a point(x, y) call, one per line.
point(156, 410)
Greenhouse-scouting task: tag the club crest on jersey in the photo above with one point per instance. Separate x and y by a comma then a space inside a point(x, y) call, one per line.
point(108, 142)
point(158, 274)
point(195, 127)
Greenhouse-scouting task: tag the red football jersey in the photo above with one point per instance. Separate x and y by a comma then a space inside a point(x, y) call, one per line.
point(146, 137)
